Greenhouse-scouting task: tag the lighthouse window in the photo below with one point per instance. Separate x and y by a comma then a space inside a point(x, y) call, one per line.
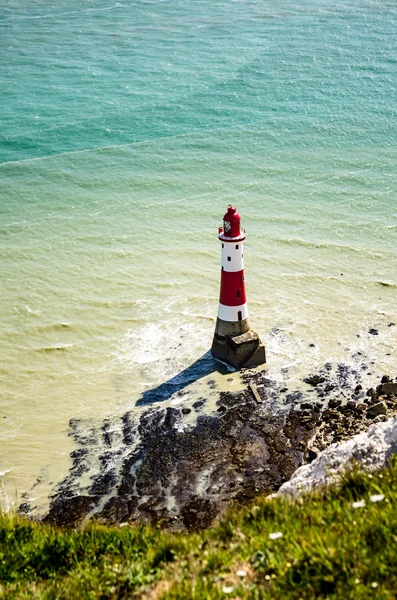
point(237, 246)
point(223, 245)
point(238, 293)
point(229, 258)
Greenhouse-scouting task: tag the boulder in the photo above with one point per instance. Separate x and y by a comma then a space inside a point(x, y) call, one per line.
point(379, 408)
point(307, 405)
point(371, 449)
point(314, 380)
point(351, 405)
point(334, 403)
point(329, 387)
point(389, 389)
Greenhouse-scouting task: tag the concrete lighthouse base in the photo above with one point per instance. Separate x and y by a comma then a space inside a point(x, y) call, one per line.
point(241, 351)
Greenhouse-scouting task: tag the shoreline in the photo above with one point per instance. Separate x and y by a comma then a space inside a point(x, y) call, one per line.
point(160, 468)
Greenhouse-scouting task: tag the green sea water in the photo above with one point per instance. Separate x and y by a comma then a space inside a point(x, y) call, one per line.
point(126, 128)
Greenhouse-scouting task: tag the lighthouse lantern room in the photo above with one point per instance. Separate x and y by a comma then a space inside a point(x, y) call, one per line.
point(234, 341)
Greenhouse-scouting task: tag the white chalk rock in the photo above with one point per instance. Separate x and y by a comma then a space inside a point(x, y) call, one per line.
point(370, 450)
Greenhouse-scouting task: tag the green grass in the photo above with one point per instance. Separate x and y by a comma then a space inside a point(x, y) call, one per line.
point(328, 549)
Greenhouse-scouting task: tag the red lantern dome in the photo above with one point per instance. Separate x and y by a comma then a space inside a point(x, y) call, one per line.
point(231, 223)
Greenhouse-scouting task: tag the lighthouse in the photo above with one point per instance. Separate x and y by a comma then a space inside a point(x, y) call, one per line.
point(234, 340)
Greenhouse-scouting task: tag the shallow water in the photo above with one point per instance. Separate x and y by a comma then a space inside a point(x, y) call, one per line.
point(126, 129)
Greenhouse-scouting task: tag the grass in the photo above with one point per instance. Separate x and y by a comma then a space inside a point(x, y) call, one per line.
point(328, 549)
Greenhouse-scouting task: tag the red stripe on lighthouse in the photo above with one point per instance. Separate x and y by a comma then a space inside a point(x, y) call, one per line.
point(232, 288)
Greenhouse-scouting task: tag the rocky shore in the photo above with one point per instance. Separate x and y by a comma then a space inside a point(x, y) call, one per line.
point(180, 467)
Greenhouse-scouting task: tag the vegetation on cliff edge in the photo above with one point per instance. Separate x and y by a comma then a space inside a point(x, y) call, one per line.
point(338, 543)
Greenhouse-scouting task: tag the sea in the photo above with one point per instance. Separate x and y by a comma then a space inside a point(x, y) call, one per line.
point(126, 129)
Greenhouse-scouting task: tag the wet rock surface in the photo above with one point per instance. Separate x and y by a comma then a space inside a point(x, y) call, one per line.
point(179, 462)
point(179, 467)
point(184, 476)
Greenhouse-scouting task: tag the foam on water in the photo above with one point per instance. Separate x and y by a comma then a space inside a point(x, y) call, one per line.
point(126, 130)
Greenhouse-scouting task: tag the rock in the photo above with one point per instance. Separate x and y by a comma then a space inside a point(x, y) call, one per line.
point(116, 511)
point(185, 477)
point(199, 404)
point(157, 467)
point(198, 514)
point(24, 508)
point(330, 415)
point(329, 387)
point(312, 454)
point(373, 331)
point(104, 483)
point(374, 400)
point(314, 380)
point(186, 410)
point(294, 397)
point(334, 403)
point(377, 409)
point(70, 512)
point(371, 449)
point(351, 405)
point(129, 429)
point(385, 379)
point(358, 388)
point(370, 392)
point(389, 389)
point(306, 421)
point(170, 418)
point(304, 413)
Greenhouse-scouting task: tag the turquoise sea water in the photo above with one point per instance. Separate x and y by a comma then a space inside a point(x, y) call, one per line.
point(126, 128)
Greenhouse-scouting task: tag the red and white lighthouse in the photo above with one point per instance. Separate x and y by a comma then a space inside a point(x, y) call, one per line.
point(234, 341)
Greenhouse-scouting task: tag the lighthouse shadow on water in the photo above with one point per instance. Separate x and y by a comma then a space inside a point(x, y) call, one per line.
point(202, 367)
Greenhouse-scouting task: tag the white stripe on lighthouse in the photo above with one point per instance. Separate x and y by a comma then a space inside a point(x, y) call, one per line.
point(232, 256)
point(230, 313)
